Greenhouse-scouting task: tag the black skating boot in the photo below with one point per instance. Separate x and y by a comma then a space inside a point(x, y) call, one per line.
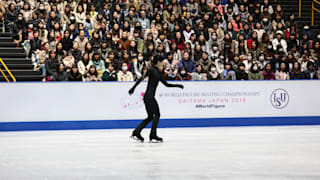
point(137, 136)
point(155, 139)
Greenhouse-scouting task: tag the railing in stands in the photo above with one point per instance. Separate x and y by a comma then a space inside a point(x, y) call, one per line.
point(314, 9)
point(299, 8)
point(9, 72)
point(4, 75)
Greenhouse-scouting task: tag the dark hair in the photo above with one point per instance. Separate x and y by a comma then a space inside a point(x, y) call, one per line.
point(251, 69)
point(57, 52)
point(157, 59)
point(265, 67)
point(52, 51)
point(78, 7)
point(286, 68)
point(95, 70)
point(213, 65)
point(228, 64)
point(85, 53)
point(58, 67)
point(299, 65)
point(110, 64)
point(202, 70)
point(310, 63)
point(86, 49)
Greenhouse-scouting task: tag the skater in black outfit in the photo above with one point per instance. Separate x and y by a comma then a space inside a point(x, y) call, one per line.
point(155, 75)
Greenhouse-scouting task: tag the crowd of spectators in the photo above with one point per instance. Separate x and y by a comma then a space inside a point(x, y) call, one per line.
point(115, 40)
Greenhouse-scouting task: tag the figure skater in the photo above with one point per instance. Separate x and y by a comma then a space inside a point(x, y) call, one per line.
point(155, 74)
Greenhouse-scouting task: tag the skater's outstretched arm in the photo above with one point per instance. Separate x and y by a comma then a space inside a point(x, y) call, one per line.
point(164, 82)
point(131, 91)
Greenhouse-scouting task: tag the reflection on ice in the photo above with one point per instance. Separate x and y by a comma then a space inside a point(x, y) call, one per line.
point(287, 152)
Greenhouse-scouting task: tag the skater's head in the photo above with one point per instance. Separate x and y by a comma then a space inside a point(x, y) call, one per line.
point(158, 61)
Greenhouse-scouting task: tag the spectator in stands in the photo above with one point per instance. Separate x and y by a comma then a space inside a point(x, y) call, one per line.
point(35, 43)
point(110, 74)
point(266, 4)
point(84, 65)
point(199, 74)
point(39, 57)
point(296, 73)
point(279, 44)
point(236, 62)
point(124, 74)
point(124, 41)
point(183, 75)
point(310, 72)
point(98, 63)
point(315, 52)
point(139, 64)
point(60, 74)
point(69, 61)
point(80, 14)
point(304, 61)
point(267, 72)
point(228, 73)
point(81, 40)
point(266, 25)
point(76, 52)
point(51, 65)
point(171, 66)
point(145, 22)
point(205, 62)
point(53, 18)
point(292, 41)
point(236, 23)
point(11, 14)
point(88, 49)
point(43, 32)
point(188, 63)
point(241, 74)
point(61, 54)
point(255, 73)
point(35, 21)
point(203, 8)
point(92, 74)
point(18, 28)
point(213, 73)
point(66, 41)
point(282, 73)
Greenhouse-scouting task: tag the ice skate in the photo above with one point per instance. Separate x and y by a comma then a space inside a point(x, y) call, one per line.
point(137, 137)
point(155, 139)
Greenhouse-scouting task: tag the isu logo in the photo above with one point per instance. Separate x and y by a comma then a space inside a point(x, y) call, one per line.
point(279, 98)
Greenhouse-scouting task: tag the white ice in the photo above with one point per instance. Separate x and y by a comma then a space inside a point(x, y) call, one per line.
point(279, 152)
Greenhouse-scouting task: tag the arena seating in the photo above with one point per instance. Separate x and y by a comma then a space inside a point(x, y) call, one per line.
point(15, 59)
point(90, 22)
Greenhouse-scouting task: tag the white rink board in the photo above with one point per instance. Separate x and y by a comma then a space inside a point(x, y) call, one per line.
point(110, 100)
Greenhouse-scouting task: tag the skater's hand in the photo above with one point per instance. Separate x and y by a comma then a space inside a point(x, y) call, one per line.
point(131, 91)
point(180, 86)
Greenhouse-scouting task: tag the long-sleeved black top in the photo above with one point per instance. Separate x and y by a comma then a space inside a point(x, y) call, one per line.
point(155, 76)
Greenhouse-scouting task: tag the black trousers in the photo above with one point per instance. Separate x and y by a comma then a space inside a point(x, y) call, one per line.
point(153, 112)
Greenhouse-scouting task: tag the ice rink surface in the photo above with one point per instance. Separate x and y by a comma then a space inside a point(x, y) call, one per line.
point(276, 152)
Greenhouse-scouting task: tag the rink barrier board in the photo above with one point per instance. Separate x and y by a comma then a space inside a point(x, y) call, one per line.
point(75, 106)
point(164, 123)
